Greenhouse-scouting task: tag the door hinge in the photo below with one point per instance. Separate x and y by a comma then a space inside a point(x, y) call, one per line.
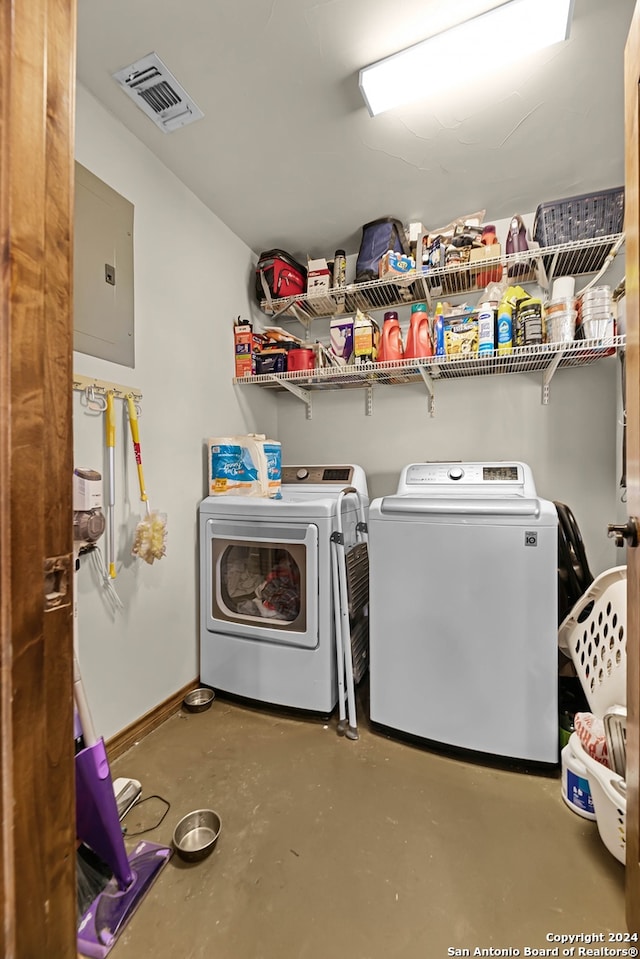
point(57, 582)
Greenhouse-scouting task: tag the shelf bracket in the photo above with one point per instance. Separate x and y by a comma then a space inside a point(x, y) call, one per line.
point(428, 382)
point(548, 376)
point(368, 403)
point(303, 395)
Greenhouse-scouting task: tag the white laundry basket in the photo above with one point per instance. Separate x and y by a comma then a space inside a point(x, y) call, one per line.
point(608, 794)
point(594, 634)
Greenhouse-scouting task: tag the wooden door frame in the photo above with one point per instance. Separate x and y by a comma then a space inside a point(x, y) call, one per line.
point(632, 407)
point(37, 803)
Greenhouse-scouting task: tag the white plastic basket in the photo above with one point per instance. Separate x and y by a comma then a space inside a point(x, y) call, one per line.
point(609, 800)
point(595, 636)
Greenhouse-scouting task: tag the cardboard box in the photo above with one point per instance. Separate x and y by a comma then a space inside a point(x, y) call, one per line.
point(341, 339)
point(460, 336)
point(366, 336)
point(246, 345)
point(396, 263)
point(318, 276)
point(484, 265)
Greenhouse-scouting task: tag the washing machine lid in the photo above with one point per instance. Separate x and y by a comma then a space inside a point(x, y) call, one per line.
point(506, 479)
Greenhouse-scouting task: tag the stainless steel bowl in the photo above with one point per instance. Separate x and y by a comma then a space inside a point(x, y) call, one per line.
point(198, 699)
point(196, 834)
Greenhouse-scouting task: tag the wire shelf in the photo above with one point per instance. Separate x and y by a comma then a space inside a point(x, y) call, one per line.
point(539, 265)
point(523, 359)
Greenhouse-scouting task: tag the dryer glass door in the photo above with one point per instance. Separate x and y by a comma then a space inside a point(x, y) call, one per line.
point(262, 582)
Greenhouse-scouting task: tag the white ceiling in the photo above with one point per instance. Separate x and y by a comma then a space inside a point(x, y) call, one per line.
point(287, 154)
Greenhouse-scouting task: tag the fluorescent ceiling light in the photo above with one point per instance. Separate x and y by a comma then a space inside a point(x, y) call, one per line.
point(464, 53)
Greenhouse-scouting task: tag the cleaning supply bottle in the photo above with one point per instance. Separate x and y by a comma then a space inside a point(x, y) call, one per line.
point(438, 330)
point(390, 347)
point(505, 328)
point(486, 329)
point(418, 336)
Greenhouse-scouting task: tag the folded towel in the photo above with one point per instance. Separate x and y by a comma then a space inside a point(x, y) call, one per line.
point(590, 730)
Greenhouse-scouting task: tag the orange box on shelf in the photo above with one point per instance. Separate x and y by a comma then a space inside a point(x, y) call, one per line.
point(247, 344)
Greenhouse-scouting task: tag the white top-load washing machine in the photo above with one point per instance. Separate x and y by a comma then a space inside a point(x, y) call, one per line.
point(267, 628)
point(463, 609)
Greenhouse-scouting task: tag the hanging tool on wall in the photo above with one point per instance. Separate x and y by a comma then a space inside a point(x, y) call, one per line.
point(110, 426)
point(149, 543)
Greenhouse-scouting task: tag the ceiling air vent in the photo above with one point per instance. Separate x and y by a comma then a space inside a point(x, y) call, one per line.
point(158, 94)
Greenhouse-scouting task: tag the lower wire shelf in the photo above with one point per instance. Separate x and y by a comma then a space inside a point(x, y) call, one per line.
point(545, 358)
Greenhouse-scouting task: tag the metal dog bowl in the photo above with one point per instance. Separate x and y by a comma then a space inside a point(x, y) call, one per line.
point(198, 699)
point(196, 834)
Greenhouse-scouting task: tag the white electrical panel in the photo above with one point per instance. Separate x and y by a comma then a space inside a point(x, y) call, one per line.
point(103, 271)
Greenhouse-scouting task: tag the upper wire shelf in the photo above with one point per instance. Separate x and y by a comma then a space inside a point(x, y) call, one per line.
point(540, 265)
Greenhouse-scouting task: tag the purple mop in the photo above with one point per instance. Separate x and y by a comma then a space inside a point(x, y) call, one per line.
point(98, 826)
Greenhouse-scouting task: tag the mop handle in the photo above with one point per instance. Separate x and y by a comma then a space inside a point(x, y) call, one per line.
point(80, 699)
point(135, 436)
point(111, 444)
point(79, 695)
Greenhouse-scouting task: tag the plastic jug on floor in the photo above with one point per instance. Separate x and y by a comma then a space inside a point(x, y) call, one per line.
point(390, 347)
point(418, 335)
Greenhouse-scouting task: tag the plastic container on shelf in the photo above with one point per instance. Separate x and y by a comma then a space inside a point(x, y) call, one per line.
point(301, 358)
point(561, 324)
point(561, 317)
point(583, 217)
point(390, 347)
point(564, 288)
point(418, 335)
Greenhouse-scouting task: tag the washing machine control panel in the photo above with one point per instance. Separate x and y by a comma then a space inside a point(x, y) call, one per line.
point(483, 479)
point(318, 475)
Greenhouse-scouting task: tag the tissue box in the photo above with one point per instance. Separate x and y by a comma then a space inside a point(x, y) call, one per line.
point(318, 276)
point(341, 339)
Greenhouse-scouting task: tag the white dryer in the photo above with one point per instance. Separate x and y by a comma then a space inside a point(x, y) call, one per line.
point(266, 610)
point(463, 610)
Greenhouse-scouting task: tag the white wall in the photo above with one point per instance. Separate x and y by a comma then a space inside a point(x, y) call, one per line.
point(192, 278)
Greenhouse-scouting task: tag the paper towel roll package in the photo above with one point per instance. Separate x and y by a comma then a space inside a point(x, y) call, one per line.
point(249, 465)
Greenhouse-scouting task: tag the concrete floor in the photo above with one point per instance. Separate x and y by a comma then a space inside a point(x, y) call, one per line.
point(373, 849)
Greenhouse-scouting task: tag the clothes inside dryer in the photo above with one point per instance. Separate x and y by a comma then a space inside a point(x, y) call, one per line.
point(260, 581)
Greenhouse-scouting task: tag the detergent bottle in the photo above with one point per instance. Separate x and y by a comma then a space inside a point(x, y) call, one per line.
point(418, 336)
point(390, 347)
